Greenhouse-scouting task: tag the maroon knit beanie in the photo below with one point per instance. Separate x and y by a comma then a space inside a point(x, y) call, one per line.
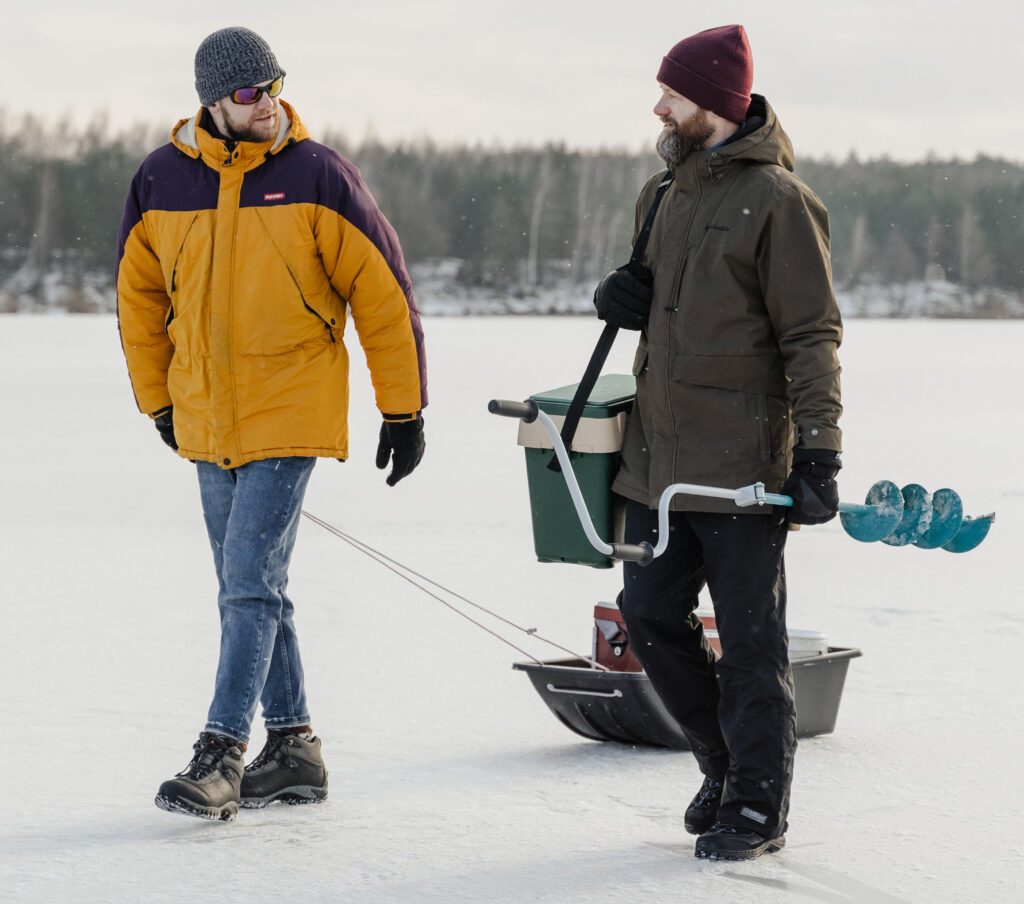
point(714, 69)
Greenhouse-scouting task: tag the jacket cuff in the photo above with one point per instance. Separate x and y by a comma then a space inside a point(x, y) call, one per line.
point(818, 436)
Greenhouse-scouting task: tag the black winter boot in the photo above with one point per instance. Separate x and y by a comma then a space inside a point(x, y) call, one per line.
point(728, 842)
point(209, 785)
point(703, 809)
point(289, 768)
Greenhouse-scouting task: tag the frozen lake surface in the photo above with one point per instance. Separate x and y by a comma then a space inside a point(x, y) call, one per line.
point(449, 779)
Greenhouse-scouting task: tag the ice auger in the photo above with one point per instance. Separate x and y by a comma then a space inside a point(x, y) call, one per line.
point(911, 516)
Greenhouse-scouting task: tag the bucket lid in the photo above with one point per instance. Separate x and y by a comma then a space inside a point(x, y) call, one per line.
point(611, 393)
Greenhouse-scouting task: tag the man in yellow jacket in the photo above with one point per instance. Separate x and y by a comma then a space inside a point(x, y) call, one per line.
point(244, 248)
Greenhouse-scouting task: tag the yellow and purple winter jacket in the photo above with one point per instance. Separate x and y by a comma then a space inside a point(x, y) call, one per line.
point(238, 266)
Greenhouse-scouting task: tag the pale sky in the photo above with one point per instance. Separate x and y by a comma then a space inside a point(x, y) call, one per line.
point(897, 77)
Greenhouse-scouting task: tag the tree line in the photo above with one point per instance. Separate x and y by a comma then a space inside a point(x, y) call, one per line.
point(509, 220)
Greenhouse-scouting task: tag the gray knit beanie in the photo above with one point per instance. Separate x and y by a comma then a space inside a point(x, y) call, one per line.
point(232, 58)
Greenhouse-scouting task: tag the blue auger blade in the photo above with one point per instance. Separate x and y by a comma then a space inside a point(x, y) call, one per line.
point(947, 516)
point(917, 516)
point(972, 532)
point(879, 516)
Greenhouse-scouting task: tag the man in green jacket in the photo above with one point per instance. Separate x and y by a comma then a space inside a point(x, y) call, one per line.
point(737, 382)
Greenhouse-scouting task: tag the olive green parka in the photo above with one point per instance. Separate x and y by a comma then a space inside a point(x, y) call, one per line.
point(738, 361)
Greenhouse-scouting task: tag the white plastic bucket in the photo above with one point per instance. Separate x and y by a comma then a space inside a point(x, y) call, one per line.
point(802, 644)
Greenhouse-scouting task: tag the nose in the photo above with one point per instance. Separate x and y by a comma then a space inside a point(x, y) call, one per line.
point(661, 108)
point(265, 102)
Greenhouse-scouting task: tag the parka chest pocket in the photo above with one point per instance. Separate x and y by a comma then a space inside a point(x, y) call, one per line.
point(305, 308)
point(179, 255)
point(188, 277)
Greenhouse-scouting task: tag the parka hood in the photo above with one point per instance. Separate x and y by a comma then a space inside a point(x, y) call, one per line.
point(766, 143)
point(189, 137)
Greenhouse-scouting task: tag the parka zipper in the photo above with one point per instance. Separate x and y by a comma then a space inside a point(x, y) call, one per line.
point(673, 308)
point(317, 314)
point(310, 308)
point(677, 283)
point(174, 273)
point(170, 307)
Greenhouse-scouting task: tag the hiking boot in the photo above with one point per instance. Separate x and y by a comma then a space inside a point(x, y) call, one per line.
point(208, 787)
point(703, 809)
point(728, 842)
point(289, 768)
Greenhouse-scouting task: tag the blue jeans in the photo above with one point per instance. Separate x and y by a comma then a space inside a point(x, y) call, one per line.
point(252, 516)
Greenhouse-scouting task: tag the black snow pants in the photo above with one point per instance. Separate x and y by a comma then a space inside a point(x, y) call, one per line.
point(738, 712)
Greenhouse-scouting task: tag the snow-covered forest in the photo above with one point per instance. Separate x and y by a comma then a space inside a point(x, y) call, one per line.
point(530, 229)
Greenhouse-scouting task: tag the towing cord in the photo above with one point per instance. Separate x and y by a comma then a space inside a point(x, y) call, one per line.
point(408, 574)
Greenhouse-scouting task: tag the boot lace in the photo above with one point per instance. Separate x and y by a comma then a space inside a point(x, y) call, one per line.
point(725, 828)
point(209, 752)
point(709, 792)
point(278, 747)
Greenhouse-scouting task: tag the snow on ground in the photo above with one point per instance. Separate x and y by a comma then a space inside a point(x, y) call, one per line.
point(450, 780)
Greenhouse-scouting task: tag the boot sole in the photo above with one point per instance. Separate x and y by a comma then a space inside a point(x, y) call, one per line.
point(297, 794)
point(769, 847)
point(227, 813)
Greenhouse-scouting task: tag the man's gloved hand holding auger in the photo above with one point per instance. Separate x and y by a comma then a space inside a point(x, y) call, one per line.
point(402, 443)
point(623, 297)
point(812, 484)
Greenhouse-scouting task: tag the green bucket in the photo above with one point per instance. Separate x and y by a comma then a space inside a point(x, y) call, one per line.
point(596, 447)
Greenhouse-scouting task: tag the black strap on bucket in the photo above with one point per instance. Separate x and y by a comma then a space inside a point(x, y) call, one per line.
point(604, 343)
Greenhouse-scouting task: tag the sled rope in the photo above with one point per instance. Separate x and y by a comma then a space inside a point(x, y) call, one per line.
point(404, 572)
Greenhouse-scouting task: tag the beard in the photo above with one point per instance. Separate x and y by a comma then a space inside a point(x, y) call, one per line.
point(250, 129)
point(676, 144)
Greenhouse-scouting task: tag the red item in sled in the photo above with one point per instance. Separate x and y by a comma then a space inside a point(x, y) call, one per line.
point(611, 639)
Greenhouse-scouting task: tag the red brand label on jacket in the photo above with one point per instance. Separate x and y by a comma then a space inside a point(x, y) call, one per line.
point(275, 196)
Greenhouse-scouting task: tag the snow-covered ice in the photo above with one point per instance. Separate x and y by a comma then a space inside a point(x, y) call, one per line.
point(450, 780)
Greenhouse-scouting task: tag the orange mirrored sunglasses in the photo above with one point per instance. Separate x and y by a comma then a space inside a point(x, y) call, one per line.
point(246, 96)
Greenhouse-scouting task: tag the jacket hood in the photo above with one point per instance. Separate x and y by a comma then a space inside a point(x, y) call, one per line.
point(189, 137)
point(764, 143)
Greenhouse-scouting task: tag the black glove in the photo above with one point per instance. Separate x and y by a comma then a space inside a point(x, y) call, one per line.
point(623, 297)
point(402, 443)
point(812, 484)
point(164, 421)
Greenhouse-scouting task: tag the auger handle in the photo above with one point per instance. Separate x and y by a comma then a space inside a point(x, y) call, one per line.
point(641, 553)
point(528, 412)
point(525, 411)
